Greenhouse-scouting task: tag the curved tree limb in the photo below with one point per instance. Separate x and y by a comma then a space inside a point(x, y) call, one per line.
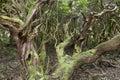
point(4, 20)
point(12, 24)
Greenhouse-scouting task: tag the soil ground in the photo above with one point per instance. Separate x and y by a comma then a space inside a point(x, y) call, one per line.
point(109, 69)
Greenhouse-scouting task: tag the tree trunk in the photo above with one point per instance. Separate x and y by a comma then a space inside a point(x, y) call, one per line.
point(26, 50)
point(25, 46)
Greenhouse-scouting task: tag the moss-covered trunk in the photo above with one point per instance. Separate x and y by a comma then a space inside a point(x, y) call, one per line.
point(26, 51)
point(68, 64)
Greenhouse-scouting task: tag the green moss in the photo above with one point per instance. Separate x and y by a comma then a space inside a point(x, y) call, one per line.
point(62, 45)
point(68, 63)
point(64, 68)
point(16, 20)
point(84, 54)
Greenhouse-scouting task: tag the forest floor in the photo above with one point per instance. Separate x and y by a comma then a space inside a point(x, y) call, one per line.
point(106, 68)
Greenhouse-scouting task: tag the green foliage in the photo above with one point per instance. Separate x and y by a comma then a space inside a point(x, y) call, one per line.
point(39, 72)
point(5, 41)
point(4, 36)
point(64, 5)
point(82, 3)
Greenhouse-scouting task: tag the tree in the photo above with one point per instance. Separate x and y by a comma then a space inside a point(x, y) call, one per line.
point(23, 33)
point(63, 23)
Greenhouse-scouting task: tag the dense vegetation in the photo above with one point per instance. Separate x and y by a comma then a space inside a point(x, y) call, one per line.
point(79, 30)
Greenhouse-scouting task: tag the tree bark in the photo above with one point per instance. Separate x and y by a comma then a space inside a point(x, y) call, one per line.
point(26, 51)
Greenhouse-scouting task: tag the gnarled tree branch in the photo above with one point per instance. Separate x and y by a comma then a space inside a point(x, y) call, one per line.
point(92, 18)
point(69, 64)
